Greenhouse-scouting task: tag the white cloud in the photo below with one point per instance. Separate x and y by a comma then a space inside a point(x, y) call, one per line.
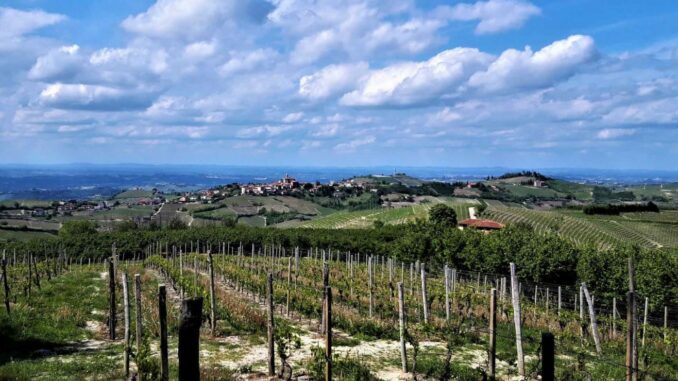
point(200, 50)
point(331, 80)
point(411, 83)
point(410, 37)
point(131, 59)
point(660, 111)
point(16, 23)
point(327, 131)
point(355, 28)
point(247, 61)
point(516, 69)
point(58, 64)
point(193, 18)
point(612, 133)
point(446, 115)
point(310, 49)
point(92, 97)
point(293, 117)
point(494, 15)
point(268, 131)
point(354, 144)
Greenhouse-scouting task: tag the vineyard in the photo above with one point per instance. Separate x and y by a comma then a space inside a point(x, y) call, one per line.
point(389, 216)
point(643, 229)
point(315, 311)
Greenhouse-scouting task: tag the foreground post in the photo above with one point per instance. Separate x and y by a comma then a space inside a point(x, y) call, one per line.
point(492, 353)
point(642, 342)
point(369, 273)
point(213, 316)
point(189, 339)
point(515, 299)
point(548, 357)
point(447, 293)
point(592, 316)
point(137, 302)
point(424, 297)
point(162, 311)
point(401, 318)
point(328, 333)
point(271, 327)
point(4, 280)
point(126, 308)
point(111, 307)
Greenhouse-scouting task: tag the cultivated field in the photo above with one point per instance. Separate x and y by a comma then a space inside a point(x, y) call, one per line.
point(643, 229)
point(58, 329)
point(390, 216)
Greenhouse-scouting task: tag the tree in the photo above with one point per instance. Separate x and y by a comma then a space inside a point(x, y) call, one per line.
point(176, 224)
point(75, 229)
point(443, 215)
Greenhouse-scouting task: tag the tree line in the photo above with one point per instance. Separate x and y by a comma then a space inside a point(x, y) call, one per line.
point(545, 258)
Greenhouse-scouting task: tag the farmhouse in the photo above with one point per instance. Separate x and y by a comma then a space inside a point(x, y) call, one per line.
point(484, 225)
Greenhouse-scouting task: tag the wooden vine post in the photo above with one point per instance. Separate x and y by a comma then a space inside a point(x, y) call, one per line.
point(4, 281)
point(401, 319)
point(328, 333)
point(326, 283)
point(213, 307)
point(289, 283)
point(126, 311)
point(447, 293)
point(189, 339)
point(111, 296)
point(424, 296)
point(492, 351)
point(139, 312)
point(162, 312)
point(515, 299)
point(369, 273)
point(271, 326)
point(642, 343)
point(548, 369)
point(592, 316)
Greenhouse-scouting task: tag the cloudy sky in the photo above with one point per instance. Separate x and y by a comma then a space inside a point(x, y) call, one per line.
point(567, 83)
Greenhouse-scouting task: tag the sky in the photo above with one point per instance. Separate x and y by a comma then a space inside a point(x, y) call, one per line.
point(512, 83)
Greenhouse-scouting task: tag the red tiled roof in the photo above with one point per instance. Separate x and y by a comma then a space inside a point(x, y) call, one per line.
point(481, 224)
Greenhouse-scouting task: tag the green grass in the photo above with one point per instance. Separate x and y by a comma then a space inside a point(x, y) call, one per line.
point(389, 216)
point(55, 315)
point(256, 221)
point(134, 193)
point(221, 213)
point(644, 229)
point(522, 191)
point(18, 235)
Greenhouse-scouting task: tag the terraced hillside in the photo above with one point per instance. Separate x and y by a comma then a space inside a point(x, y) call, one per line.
point(390, 216)
point(643, 229)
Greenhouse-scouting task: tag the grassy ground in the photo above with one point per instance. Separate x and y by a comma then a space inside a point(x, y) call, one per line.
point(389, 216)
point(18, 235)
point(56, 335)
point(134, 193)
point(644, 229)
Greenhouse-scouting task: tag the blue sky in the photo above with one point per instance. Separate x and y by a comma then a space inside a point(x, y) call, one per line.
point(512, 83)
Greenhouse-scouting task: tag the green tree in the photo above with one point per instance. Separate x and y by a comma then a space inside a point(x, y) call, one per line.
point(77, 229)
point(442, 215)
